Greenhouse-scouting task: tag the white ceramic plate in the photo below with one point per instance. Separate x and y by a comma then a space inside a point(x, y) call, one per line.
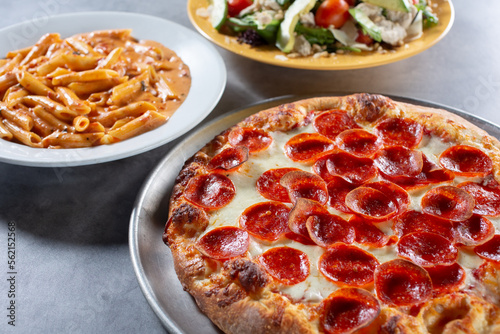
point(208, 82)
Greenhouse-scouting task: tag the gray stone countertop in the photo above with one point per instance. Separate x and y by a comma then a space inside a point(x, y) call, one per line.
point(74, 272)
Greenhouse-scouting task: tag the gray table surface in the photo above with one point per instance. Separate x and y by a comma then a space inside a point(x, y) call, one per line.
point(74, 272)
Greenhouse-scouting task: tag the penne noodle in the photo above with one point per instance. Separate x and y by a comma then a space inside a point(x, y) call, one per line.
point(81, 123)
point(87, 88)
point(128, 89)
point(121, 34)
point(6, 81)
point(57, 72)
point(52, 121)
point(4, 132)
point(108, 139)
point(17, 117)
point(96, 127)
point(71, 61)
point(21, 52)
point(111, 58)
point(84, 76)
point(58, 110)
point(165, 92)
point(14, 95)
point(146, 122)
point(71, 140)
point(121, 122)
point(41, 47)
point(81, 47)
point(26, 137)
point(33, 85)
point(72, 101)
point(134, 109)
point(11, 64)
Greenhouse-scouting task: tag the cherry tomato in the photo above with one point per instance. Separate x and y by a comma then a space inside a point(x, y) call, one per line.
point(234, 7)
point(364, 38)
point(332, 13)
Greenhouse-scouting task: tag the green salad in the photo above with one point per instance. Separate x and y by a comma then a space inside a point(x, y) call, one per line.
point(307, 27)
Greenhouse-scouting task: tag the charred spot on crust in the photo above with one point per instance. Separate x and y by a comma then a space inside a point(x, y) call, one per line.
point(371, 107)
point(186, 219)
point(249, 274)
point(391, 326)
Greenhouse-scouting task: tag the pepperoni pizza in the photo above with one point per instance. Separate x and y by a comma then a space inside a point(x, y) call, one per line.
point(339, 215)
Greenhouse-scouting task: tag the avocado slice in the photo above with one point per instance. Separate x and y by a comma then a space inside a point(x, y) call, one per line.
point(286, 38)
point(368, 26)
point(398, 5)
point(219, 13)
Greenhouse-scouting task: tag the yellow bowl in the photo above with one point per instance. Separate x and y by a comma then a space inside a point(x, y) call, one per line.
point(271, 55)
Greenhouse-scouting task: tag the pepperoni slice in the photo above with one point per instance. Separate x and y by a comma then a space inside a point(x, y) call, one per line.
point(347, 310)
point(327, 229)
point(414, 221)
point(348, 265)
point(427, 249)
point(402, 283)
point(255, 139)
point(466, 161)
point(331, 123)
point(229, 159)
point(268, 184)
point(301, 184)
point(430, 174)
point(288, 265)
point(474, 231)
point(487, 198)
point(400, 131)
point(353, 169)
point(490, 250)
point(398, 195)
point(210, 191)
point(358, 142)
point(301, 211)
point(224, 243)
point(371, 204)
point(300, 239)
point(446, 279)
point(338, 188)
point(370, 235)
point(305, 147)
point(448, 202)
point(266, 220)
point(399, 161)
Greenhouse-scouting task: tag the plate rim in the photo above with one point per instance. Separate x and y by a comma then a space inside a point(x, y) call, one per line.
point(134, 223)
point(24, 155)
point(313, 66)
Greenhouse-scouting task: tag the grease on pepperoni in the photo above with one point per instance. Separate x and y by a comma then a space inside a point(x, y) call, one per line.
point(268, 184)
point(487, 199)
point(338, 188)
point(332, 122)
point(229, 159)
point(348, 265)
point(254, 139)
point(301, 184)
point(354, 169)
point(398, 195)
point(427, 249)
point(448, 202)
point(301, 211)
point(414, 221)
point(210, 191)
point(474, 231)
point(266, 220)
point(224, 243)
point(490, 250)
point(305, 147)
point(327, 229)
point(370, 235)
point(358, 142)
point(400, 131)
point(288, 265)
point(371, 203)
point(446, 278)
point(466, 161)
point(399, 161)
point(347, 310)
point(402, 283)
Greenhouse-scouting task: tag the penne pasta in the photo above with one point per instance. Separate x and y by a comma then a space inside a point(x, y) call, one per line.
point(11, 64)
point(71, 140)
point(33, 85)
point(111, 58)
point(17, 117)
point(41, 47)
point(4, 132)
point(51, 121)
point(26, 137)
point(81, 123)
point(72, 101)
point(134, 109)
point(146, 122)
point(6, 81)
point(87, 88)
point(84, 76)
point(21, 52)
point(128, 89)
point(81, 47)
point(57, 109)
point(14, 95)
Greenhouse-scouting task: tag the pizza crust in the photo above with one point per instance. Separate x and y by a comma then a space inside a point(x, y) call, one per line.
point(242, 303)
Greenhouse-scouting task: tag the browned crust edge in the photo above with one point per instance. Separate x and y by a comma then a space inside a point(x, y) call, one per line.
point(235, 310)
